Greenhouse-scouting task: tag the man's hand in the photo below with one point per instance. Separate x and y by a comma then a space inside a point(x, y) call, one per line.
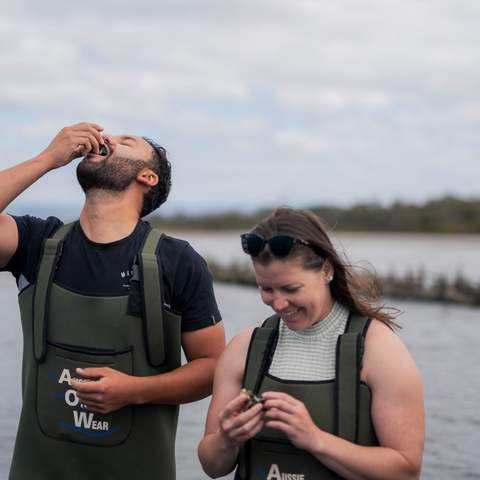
point(72, 142)
point(104, 389)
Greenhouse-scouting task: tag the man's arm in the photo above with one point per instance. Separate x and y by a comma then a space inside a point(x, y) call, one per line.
point(8, 239)
point(69, 143)
point(113, 390)
point(193, 381)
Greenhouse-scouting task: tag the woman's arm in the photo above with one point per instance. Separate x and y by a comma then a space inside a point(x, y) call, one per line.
point(397, 414)
point(228, 426)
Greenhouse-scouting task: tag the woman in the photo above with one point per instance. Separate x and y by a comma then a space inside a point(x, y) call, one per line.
point(331, 391)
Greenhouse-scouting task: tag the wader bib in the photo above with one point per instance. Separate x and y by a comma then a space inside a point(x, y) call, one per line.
point(58, 437)
point(340, 406)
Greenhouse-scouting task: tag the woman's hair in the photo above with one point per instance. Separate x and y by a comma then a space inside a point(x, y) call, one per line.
point(358, 292)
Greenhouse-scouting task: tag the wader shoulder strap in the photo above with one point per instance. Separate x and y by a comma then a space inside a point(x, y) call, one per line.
point(61, 233)
point(347, 378)
point(259, 357)
point(150, 281)
point(51, 252)
point(260, 353)
point(357, 324)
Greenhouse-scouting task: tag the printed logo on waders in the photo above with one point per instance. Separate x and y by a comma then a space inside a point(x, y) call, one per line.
point(82, 421)
point(275, 474)
point(61, 414)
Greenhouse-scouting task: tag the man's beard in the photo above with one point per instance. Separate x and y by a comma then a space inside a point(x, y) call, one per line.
point(112, 174)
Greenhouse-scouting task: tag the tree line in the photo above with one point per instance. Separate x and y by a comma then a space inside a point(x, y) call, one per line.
point(443, 215)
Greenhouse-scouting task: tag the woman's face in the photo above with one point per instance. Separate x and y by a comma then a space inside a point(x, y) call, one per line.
point(301, 297)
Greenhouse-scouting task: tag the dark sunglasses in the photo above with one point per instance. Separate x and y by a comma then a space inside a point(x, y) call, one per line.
point(280, 245)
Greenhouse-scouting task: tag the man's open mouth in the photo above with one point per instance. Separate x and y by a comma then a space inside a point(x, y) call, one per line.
point(104, 150)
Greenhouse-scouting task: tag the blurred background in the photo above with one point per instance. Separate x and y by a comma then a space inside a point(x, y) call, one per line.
point(366, 111)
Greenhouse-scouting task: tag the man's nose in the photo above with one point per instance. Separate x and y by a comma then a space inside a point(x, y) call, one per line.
point(110, 139)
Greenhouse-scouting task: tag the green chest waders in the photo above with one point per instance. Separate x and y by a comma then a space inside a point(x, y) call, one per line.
point(58, 437)
point(340, 406)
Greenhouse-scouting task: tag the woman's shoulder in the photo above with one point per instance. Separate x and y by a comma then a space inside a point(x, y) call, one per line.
point(384, 352)
point(231, 363)
point(240, 342)
point(380, 338)
point(378, 331)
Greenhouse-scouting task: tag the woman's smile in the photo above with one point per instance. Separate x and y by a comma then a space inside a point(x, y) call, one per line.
point(301, 297)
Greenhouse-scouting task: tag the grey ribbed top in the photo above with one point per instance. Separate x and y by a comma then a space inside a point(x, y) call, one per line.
point(309, 354)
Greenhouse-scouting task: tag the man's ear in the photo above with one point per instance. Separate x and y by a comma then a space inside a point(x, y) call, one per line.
point(147, 177)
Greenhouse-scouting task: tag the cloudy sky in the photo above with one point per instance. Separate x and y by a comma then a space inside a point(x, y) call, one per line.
point(259, 102)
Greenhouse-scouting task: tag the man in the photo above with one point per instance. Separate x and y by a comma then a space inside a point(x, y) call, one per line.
point(105, 303)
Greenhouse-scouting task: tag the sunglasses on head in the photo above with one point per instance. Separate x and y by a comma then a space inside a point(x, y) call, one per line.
point(280, 245)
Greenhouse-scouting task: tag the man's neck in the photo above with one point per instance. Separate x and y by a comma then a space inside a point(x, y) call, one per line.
point(108, 216)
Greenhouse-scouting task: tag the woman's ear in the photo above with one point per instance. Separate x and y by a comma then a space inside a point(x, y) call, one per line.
point(147, 177)
point(328, 271)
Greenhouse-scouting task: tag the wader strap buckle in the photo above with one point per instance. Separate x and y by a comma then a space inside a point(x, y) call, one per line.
point(52, 251)
point(150, 281)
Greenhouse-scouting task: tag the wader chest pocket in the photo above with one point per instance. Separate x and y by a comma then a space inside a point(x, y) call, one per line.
point(59, 411)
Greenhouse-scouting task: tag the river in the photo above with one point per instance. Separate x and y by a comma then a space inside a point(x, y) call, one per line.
point(384, 253)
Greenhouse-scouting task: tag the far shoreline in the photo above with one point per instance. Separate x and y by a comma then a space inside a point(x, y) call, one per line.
point(410, 286)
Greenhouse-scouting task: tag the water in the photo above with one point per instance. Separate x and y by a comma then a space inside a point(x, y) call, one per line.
point(400, 253)
point(443, 340)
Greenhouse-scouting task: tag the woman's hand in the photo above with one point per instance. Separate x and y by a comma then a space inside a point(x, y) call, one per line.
point(237, 425)
point(290, 416)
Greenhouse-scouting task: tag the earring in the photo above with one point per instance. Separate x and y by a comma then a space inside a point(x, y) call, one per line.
point(329, 279)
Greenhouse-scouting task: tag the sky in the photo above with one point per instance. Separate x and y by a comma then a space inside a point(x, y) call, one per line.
point(259, 103)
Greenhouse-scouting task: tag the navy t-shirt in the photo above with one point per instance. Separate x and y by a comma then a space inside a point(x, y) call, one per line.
point(90, 268)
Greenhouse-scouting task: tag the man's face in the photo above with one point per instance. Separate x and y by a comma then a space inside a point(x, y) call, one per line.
point(126, 156)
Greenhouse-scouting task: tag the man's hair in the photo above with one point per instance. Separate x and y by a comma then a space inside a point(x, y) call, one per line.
point(160, 164)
